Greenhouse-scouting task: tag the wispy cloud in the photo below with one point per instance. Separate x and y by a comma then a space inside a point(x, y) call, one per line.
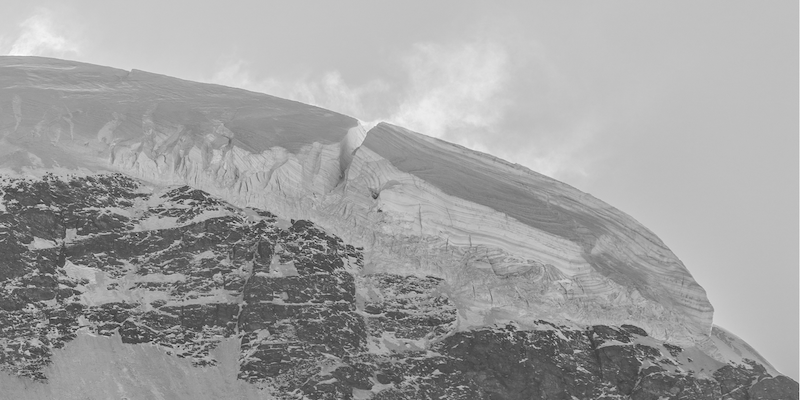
point(566, 154)
point(451, 88)
point(328, 90)
point(443, 88)
point(40, 35)
point(479, 94)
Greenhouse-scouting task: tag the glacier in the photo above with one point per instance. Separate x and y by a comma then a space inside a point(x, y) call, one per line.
point(511, 246)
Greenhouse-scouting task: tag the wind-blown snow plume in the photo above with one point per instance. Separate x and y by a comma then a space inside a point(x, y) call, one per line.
point(444, 89)
point(41, 36)
point(452, 88)
point(329, 91)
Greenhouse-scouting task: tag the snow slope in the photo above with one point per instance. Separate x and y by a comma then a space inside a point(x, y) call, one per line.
point(106, 369)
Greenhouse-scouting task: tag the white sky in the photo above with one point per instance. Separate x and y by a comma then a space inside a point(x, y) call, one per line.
point(682, 114)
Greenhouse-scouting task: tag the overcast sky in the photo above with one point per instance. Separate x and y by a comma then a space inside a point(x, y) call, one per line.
point(683, 114)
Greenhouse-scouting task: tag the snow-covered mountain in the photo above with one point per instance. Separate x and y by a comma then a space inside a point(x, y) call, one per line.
point(170, 239)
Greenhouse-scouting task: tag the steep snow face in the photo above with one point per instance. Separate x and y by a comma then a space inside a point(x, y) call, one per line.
point(509, 243)
point(591, 248)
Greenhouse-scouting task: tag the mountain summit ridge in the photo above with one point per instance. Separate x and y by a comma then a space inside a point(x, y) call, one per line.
point(503, 244)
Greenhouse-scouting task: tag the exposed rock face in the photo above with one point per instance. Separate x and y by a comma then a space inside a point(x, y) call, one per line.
point(252, 247)
point(176, 268)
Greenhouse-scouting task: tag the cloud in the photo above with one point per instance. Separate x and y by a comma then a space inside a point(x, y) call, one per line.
point(453, 88)
point(480, 94)
point(444, 89)
point(329, 90)
point(41, 36)
point(566, 154)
